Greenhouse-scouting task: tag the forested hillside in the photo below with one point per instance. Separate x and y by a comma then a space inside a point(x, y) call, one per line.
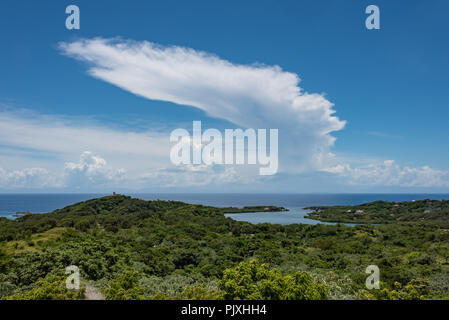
point(386, 212)
point(133, 249)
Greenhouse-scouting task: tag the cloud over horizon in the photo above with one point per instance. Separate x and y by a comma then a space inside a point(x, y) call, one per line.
point(28, 178)
point(91, 170)
point(389, 173)
point(252, 96)
point(42, 151)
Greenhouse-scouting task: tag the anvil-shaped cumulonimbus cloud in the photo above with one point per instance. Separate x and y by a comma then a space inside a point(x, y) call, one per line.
point(250, 96)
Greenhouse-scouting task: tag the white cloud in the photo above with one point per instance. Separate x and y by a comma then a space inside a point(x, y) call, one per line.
point(27, 137)
point(91, 170)
point(29, 178)
point(251, 96)
point(38, 151)
point(389, 173)
point(92, 173)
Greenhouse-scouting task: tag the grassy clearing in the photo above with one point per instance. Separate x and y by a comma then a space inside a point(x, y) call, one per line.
point(35, 243)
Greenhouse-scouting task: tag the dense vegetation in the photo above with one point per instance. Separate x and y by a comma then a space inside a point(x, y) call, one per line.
point(386, 212)
point(134, 249)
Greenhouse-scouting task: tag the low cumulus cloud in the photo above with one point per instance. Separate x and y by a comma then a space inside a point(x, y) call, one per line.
point(91, 170)
point(250, 96)
point(31, 141)
point(389, 173)
point(29, 178)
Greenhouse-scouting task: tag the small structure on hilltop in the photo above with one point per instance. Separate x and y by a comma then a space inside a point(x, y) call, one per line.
point(359, 212)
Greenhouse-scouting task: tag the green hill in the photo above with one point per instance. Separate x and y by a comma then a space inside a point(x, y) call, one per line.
point(386, 212)
point(133, 249)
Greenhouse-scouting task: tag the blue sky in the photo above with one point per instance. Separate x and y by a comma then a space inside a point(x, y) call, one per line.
point(389, 85)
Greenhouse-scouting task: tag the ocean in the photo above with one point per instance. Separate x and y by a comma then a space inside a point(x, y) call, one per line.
point(41, 203)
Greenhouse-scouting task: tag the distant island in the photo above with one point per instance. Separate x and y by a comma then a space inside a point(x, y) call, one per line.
point(131, 249)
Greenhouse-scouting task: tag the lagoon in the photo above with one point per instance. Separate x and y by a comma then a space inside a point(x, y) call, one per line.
point(293, 216)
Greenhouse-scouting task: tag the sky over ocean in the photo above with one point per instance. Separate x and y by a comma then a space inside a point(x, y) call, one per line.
point(91, 109)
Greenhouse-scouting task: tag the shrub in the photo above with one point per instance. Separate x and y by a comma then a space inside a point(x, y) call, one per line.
point(125, 287)
point(51, 288)
point(252, 280)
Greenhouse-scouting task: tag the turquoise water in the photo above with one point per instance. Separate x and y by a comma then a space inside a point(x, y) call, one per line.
point(294, 215)
point(39, 203)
